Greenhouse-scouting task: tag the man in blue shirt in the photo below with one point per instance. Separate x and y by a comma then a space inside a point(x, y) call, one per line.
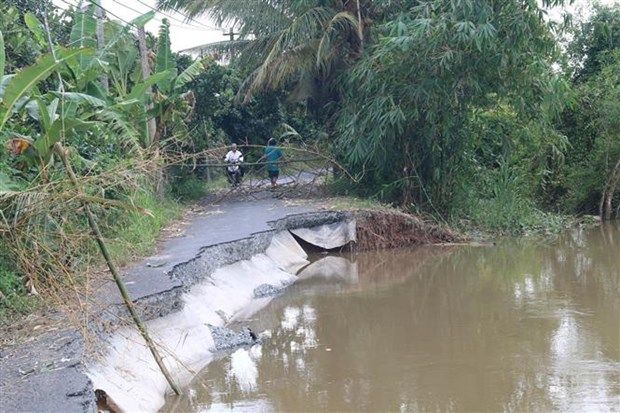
point(273, 154)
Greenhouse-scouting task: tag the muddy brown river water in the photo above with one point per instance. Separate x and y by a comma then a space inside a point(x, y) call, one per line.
point(526, 325)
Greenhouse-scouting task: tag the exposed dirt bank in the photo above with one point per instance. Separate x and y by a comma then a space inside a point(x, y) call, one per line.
point(386, 230)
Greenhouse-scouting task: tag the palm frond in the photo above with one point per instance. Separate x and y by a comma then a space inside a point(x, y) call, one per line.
point(343, 25)
point(284, 40)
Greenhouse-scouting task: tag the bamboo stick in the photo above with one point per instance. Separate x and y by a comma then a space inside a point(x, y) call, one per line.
point(117, 278)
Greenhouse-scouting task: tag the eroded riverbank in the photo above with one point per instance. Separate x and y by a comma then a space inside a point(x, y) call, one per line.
point(524, 325)
point(162, 287)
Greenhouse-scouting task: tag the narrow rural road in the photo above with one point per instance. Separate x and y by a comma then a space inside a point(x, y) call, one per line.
point(46, 374)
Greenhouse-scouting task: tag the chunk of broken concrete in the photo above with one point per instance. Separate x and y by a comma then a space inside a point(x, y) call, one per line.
point(265, 290)
point(225, 338)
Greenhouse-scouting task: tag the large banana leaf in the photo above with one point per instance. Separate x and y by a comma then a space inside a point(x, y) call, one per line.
point(80, 98)
point(165, 61)
point(138, 92)
point(26, 79)
point(140, 21)
point(84, 31)
point(189, 74)
point(2, 56)
point(37, 29)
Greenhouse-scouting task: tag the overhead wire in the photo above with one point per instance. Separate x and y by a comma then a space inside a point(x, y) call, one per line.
point(108, 12)
point(180, 13)
point(105, 10)
point(187, 26)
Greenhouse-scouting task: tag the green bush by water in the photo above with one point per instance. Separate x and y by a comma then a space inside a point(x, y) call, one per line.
point(499, 202)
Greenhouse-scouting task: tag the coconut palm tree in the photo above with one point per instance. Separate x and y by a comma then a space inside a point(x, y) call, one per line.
point(299, 44)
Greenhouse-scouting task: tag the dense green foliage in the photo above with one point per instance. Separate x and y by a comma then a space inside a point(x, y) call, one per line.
point(590, 177)
point(55, 103)
point(593, 41)
point(65, 93)
point(432, 72)
point(476, 112)
point(455, 108)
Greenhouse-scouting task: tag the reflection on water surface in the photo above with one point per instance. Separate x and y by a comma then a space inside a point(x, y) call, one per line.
point(521, 326)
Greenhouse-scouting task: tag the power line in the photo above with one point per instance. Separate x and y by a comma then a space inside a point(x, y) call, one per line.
point(98, 3)
point(128, 7)
point(108, 12)
point(159, 20)
point(105, 10)
point(174, 18)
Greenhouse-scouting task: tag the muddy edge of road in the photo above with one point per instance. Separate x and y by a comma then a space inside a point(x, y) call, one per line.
point(47, 372)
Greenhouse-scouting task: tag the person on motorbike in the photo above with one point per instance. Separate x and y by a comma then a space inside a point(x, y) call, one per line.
point(234, 157)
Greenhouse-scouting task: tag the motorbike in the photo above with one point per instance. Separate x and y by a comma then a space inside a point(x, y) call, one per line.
point(235, 176)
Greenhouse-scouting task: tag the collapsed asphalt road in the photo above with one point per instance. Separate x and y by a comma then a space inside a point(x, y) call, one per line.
point(47, 373)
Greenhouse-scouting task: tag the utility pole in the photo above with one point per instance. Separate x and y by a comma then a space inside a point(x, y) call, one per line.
point(232, 35)
point(146, 72)
point(100, 15)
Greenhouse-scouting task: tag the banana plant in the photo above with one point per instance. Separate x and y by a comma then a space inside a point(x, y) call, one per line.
point(20, 87)
point(23, 82)
point(118, 59)
point(19, 91)
point(170, 102)
point(17, 88)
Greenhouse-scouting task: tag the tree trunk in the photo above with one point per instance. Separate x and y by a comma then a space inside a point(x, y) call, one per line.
point(100, 14)
point(360, 27)
point(606, 204)
point(146, 72)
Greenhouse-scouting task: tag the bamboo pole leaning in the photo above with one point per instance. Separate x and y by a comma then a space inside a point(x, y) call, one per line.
point(60, 151)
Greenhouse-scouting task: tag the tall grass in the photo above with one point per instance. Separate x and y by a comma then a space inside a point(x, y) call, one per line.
point(13, 297)
point(135, 234)
point(47, 248)
point(497, 201)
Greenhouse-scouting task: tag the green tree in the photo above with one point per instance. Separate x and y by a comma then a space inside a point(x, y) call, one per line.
point(411, 98)
point(591, 175)
point(593, 39)
point(589, 179)
point(303, 45)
